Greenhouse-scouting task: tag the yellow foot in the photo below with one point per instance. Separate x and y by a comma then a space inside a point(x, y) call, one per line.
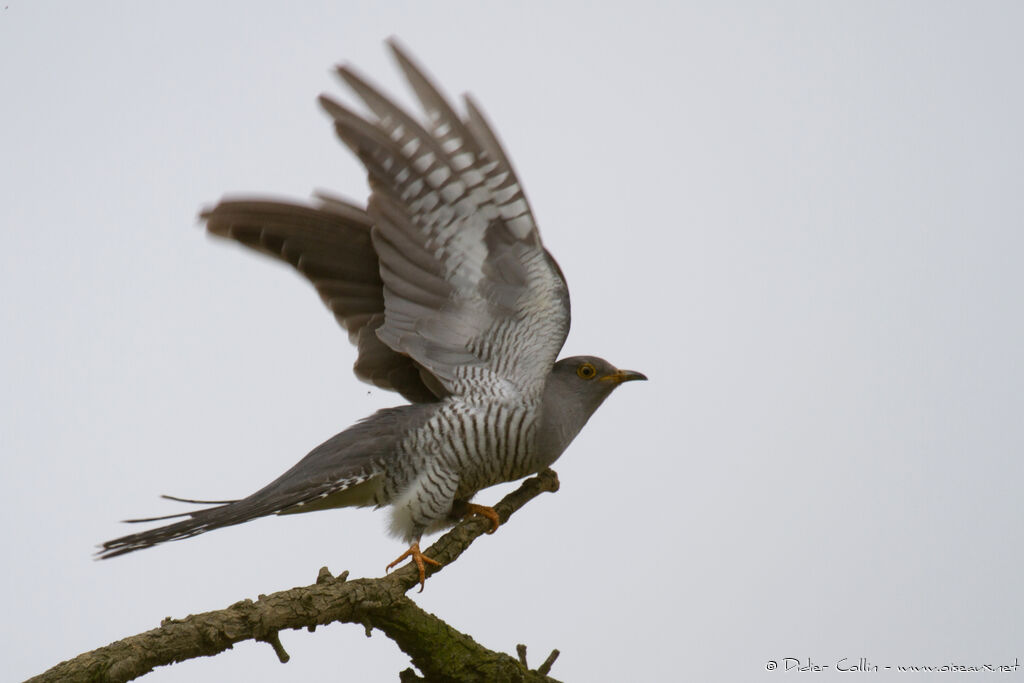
point(419, 558)
point(484, 511)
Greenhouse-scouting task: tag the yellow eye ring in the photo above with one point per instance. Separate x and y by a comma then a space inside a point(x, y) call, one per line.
point(586, 371)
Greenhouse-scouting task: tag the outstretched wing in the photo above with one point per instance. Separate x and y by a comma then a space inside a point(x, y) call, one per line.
point(329, 243)
point(470, 293)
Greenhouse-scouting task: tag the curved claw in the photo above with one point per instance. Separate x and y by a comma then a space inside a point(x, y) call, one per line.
point(419, 558)
point(484, 511)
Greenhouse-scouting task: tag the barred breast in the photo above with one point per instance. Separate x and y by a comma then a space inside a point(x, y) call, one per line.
point(462, 448)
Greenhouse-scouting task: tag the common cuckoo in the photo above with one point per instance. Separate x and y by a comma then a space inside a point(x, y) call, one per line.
point(452, 300)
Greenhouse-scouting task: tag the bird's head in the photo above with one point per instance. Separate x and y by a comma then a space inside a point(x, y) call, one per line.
point(576, 388)
point(591, 377)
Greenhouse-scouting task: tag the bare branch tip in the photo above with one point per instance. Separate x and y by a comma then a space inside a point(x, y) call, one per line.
point(274, 640)
point(544, 668)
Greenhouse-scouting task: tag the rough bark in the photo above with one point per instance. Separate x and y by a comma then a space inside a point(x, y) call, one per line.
point(440, 652)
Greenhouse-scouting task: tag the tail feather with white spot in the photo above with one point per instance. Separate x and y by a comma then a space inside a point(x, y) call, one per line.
point(236, 512)
point(345, 471)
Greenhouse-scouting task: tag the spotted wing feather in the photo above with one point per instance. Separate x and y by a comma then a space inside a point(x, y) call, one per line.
point(469, 291)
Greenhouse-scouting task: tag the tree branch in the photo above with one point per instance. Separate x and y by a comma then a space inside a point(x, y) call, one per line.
point(438, 651)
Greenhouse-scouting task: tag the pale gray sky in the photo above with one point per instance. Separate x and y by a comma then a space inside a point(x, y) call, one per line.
point(802, 220)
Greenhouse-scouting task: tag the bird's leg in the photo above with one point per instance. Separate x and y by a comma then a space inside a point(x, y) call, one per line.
point(419, 558)
point(484, 511)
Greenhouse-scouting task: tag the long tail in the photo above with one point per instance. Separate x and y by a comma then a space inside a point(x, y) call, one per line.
point(344, 471)
point(274, 499)
point(198, 522)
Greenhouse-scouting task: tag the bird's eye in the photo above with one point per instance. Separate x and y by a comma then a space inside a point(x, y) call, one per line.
point(586, 371)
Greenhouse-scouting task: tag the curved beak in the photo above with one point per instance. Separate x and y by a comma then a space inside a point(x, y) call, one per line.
point(620, 376)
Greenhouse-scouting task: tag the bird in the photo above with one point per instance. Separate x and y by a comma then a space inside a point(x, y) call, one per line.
point(451, 299)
